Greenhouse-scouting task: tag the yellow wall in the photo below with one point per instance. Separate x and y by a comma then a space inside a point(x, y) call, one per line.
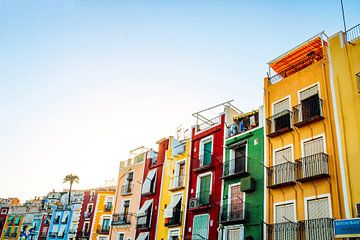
point(316, 73)
point(12, 227)
point(100, 212)
point(345, 64)
point(165, 195)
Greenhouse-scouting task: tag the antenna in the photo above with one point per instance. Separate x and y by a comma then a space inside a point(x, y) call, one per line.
point(343, 14)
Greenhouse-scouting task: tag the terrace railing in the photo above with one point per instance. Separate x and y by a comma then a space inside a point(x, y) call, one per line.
point(313, 166)
point(308, 111)
point(281, 174)
point(353, 33)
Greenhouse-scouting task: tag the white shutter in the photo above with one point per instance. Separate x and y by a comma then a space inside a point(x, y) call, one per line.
point(285, 213)
point(309, 92)
point(318, 208)
point(284, 155)
point(235, 233)
point(281, 106)
point(314, 146)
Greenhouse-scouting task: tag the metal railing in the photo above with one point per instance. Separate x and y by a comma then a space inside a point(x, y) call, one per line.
point(278, 123)
point(353, 33)
point(126, 189)
point(143, 221)
point(317, 229)
point(202, 162)
point(201, 199)
point(308, 111)
point(296, 67)
point(175, 220)
point(234, 212)
point(120, 219)
point(312, 166)
point(177, 182)
point(208, 124)
point(281, 174)
point(234, 167)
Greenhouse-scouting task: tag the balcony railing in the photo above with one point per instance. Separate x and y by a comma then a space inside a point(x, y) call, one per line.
point(201, 200)
point(14, 234)
point(126, 189)
point(120, 219)
point(234, 213)
point(279, 123)
point(281, 175)
point(308, 111)
point(353, 33)
point(177, 182)
point(56, 220)
point(235, 167)
point(202, 162)
point(311, 167)
point(296, 67)
point(143, 221)
point(53, 234)
point(103, 229)
point(175, 220)
point(319, 229)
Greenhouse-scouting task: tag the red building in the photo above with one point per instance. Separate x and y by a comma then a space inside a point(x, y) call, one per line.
point(150, 193)
point(3, 214)
point(205, 183)
point(87, 214)
point(44, 227)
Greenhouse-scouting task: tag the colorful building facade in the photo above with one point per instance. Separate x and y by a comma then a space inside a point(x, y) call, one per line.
point(128, 194)
point(303, 184)
point(344, 51)
point(87, 214)
point(59, 226)
point(241, 214)
point(173, 196)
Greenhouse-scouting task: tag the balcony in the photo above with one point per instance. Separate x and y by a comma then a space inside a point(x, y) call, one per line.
point(126, 189)
point(120, 219)
point(7, 234)
point(353, 33)
point(308, 111)
point(235, 168)
point(108, 207)
point(203, 162)
point(312, 167)
point(143, 221)
point(321, 228)
point(53, 234)
point(175, 220)
point(202, 200)
point(56, 220)
point(279, 123)
point(13, 235)
point(281, 175)
point(102, 229)
point(177, 183)
point(234, 213)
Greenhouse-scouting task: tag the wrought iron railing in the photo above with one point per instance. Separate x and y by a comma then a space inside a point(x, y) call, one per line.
point(281, 174)
point(175, 220)
point(177, 182)
point(278, 123)
point(234, 212)
point(120, 219)
point(202, 162)
point(312, 166)
point(301, 64)
point(308, 111)
point(126, 189)
point(143, 221)
point(353, 33)
point(201, 199)
point(235, 167)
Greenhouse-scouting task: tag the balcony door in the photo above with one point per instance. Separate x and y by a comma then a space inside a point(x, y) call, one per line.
point(105, 225)
point(284, 170)
point(204, 190)
point(312, 164)
point(282, 116)
point(238, 163)
point(318, 225)
point(201, 227)
point(285, 227)
point(207, 153)
point(310, 104)
point(236, 204)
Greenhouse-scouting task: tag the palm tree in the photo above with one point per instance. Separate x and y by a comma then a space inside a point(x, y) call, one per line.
point(71, 178)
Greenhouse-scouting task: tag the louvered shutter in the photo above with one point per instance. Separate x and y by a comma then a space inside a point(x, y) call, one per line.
point(318, 208)
point(314, 146)
point(309, 92)
point(285, 213)
point(281, 106)
point(201, 227)
point(283, 156)
point(235, 234)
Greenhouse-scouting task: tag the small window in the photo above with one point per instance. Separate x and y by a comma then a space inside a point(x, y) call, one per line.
point(3, 211)
point(121, 236)
point(358, 81)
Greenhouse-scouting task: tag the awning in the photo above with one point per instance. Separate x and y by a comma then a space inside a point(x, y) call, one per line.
point(168, 212)
point(148, 180)
point(143, 236)
point(144, 207)
point(61, 231)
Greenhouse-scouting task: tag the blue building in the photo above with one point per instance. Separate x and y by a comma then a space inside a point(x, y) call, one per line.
point(60, 223)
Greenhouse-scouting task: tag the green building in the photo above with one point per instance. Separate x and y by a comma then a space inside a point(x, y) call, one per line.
point(242, 202)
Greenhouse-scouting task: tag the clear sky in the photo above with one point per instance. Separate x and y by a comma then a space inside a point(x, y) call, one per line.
point(84, 82)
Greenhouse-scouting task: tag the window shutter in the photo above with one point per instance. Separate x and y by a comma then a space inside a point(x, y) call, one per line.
point(283, 156)
point(318, 208)
point(309, 92)
point(313, 146)
point(285, 213)
point(201, 227)
point(281, 106)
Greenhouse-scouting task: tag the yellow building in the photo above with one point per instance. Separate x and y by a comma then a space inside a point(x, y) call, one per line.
point(304, 188)
point(345, 79)
point(128, 194)
point(12, 227)
point(173, 196)
point(100, 229)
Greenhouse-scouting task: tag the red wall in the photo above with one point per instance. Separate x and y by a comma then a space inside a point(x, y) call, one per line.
point(3, 218)
point(218, 141)
point(163, 146)
point(86, 201)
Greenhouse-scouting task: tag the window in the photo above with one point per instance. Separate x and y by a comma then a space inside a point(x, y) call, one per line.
point(206, 152)
point(105, 225)
point(319, 223)
point(310, 104)
point(179, 178)
point(109, 202)
point(204, 189)
point(86, 227)
point(285, 220)
point(125, 210)
point(234, 233)
point(313, 146)
point(121, 236)
point(237, 163)
point(201, 227)
point(128, 183)
point(318, 208)
point(174, 234)
point(284, 168)
point(282, 115)
point(65, 217)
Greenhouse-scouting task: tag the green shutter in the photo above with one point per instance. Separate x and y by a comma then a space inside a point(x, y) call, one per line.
point(205, 189)
point(201, 227)
point(8, 230)
point(207, 153)
point(17, 221)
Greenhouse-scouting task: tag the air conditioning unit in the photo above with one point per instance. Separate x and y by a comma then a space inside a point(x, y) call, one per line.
point(358, 210)
point(194, 203)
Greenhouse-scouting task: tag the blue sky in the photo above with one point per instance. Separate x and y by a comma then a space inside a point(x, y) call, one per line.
point(84, 82)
